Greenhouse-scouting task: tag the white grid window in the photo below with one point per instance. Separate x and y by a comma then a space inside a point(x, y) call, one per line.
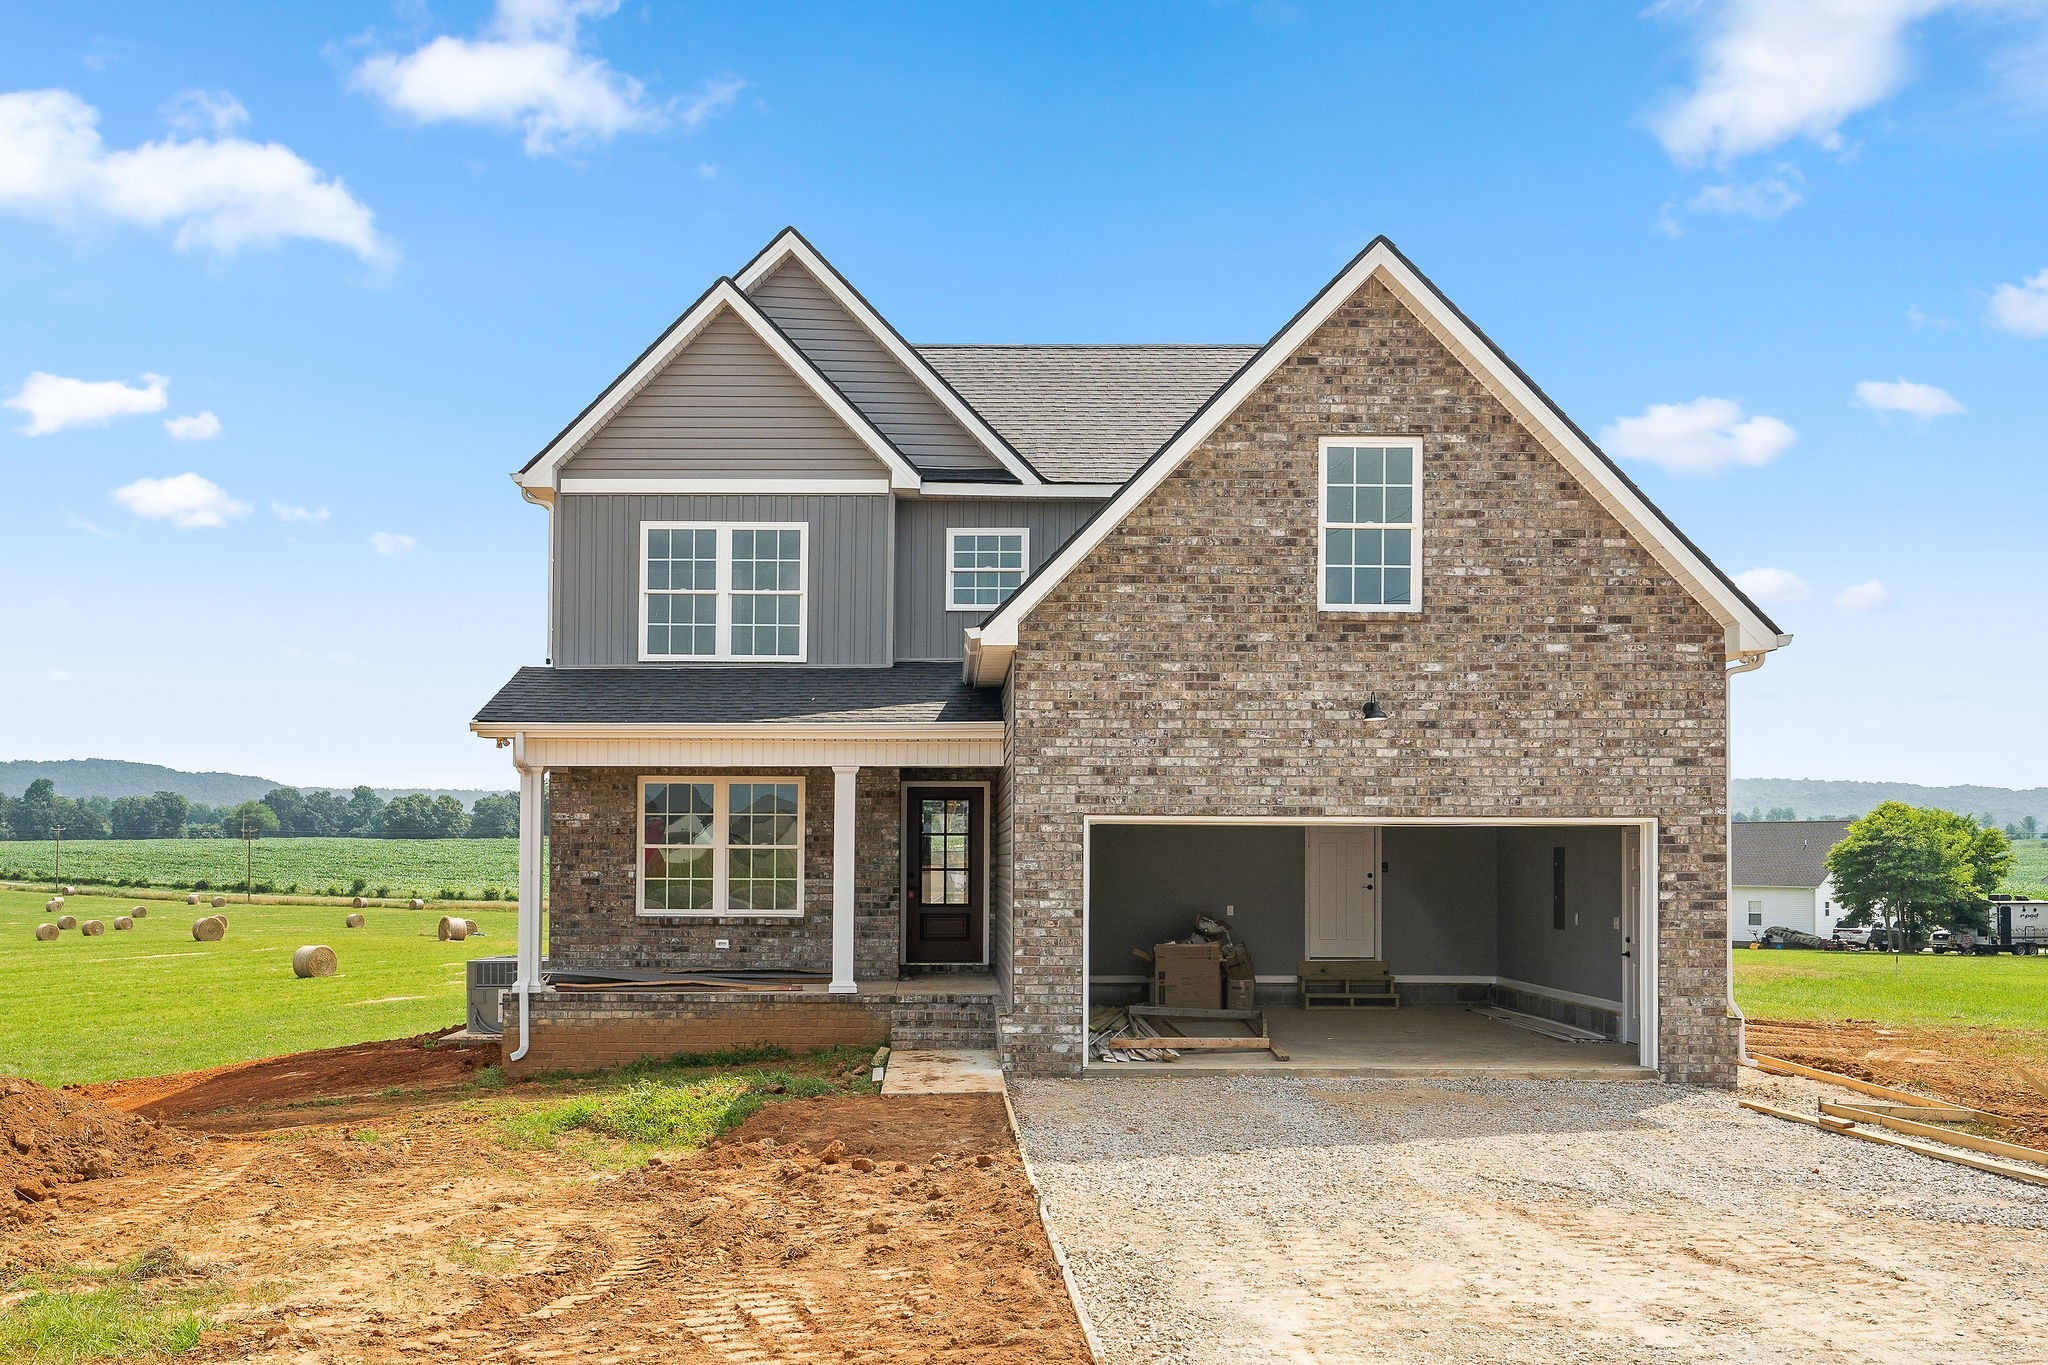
point(719, 591)
point(983, 567)
point(1371, 525)
point(721, 846)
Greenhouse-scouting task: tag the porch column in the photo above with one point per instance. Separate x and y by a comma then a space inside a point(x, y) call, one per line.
point(530, 874)
point(844, 779)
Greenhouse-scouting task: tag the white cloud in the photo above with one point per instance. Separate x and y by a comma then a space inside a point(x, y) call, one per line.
point(715, 98)
point(1765, 198)
point(55, 403)
point(200, 426)
point(1863, 597)
point(2021, 309)
point(1903, 395)
point(284, 511)
point(392, 543)
point(527, 70)
point(187, 501)
point(1919, 317)
point(205, 111)
point(220, 193)
point(1773, 585)
point(1704, 436)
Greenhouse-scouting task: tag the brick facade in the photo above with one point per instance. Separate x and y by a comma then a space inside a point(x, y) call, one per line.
point(1183, 669)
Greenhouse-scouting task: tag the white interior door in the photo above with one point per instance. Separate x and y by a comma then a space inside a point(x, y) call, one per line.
point(1631, 929)
point(1343, 891)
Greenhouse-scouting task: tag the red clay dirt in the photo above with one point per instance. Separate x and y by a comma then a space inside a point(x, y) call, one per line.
point(50, 1139)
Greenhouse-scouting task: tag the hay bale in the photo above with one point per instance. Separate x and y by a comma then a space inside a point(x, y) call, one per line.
point(209, 929)
point(354, 921)
point(192, 899)
point(416, 904)
point(315, 960)
point(454, 930)
point(218, 901)
point(53, 905)
point(46, 933)
point(67, 921)
point(474, 927)
point(123, 922)
point(140, 912)
point(66, 890)
point(92, 928)
point(359, 904)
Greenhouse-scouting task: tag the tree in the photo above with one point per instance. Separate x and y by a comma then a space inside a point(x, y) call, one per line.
point(1918, 869)
point(133, 818)
point(30, 817)
point(365, 814)
point(494, 817)
point(451, 821)
point(170, 810)
point(289, 805)
point(1781, 813)
point(254, 816)
point(2029, 828)
point(326, 814)
point(410, 817)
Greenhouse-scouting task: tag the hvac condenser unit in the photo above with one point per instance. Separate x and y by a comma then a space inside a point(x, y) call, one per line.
point(488, 976)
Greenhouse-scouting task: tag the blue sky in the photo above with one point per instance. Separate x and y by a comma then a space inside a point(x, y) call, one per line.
point(1786, 259)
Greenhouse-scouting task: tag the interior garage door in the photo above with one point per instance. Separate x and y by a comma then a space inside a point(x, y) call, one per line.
point(1343, 891)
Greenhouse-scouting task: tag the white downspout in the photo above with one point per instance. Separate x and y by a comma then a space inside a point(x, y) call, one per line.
point(530, 837)
point(1748, 661)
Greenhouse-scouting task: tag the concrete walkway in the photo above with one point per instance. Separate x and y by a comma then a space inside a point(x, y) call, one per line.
point(934, 1071)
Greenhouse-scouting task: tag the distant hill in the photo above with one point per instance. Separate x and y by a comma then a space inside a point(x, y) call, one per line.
point(114, 777)
point(1813, 799)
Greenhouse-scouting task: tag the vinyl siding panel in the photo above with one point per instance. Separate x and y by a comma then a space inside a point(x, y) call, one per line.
point(726, 406)
point(893, 399)
point(596, 593)
point(924, 628)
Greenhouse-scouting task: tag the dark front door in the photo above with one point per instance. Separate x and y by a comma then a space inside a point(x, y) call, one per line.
point(942, 900)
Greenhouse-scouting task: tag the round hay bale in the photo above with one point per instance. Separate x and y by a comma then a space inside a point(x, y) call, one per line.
point(67, 921)
point(65, 890)
point(359, 904)
point(139, 912)
point(454, 930)
point(354, 921)
point(474, 927)
point(416, 904)
point(123, 922)
point(209, 929)
point(315, 960)
point(192, 899)
point(92, 928)
point(46, 933)
point(218, 901)
point(53, 905)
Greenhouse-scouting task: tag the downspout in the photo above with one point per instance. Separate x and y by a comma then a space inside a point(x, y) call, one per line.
point(528, 945)
point(1748, 661)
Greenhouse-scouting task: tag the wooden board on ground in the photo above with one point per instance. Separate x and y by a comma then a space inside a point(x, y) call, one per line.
point(1781, 1067)
point(1830, 1125)
point(2011, 1151)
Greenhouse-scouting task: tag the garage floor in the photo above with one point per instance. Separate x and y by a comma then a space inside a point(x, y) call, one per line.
point(1425, 1040)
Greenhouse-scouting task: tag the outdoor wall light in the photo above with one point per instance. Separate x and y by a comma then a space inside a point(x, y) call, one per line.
point(1371, 710)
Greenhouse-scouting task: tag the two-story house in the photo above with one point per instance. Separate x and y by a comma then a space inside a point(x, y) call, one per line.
point(952, 674)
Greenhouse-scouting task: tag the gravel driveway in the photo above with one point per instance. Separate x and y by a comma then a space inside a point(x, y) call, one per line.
point(1234, 1219)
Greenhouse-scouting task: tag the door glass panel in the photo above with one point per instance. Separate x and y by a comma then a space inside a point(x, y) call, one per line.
point(943, 864)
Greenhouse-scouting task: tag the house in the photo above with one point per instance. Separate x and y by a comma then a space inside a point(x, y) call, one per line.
point(953, 674)
point(1778, 875)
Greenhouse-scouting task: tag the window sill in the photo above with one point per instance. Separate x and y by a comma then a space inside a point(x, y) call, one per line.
point(735, 916)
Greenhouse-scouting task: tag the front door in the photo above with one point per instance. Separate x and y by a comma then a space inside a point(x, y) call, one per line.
point(943, 907)
point(1343, 891)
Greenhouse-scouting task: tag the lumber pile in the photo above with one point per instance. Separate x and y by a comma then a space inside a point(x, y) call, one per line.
point(1161, 1033)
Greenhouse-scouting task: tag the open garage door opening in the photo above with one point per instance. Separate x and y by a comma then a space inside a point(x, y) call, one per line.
point(1403, 947)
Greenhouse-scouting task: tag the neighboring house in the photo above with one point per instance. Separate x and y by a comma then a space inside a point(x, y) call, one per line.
point(1778, 877)
point(955, 673)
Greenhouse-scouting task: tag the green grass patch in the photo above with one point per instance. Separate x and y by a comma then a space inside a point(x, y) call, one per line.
point(151, 1000)
point(148, 1306)
point(1921, 990)
point(404, 868)
point(2029, 875)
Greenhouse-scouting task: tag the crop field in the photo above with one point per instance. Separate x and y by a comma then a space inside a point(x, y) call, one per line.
point(1925, 990)
point(474, 869)
point(151, 1000)
point(2029, 875)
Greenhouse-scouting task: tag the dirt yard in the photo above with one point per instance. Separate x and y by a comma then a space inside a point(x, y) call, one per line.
point(1257, 1219)
point(357, 1205)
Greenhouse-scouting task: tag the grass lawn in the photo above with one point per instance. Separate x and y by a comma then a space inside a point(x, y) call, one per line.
point(335, 867)
point(1928, 991)
point(152, 1000)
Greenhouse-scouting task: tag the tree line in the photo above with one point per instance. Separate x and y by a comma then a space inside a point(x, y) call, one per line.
point(42, 813)
point(2028, 828)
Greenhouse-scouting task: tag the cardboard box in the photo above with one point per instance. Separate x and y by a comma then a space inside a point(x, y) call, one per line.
point(1239, 993)
point(1187, 976)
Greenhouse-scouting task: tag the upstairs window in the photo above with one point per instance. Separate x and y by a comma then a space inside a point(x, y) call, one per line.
point(720, 591)
point(983, 567)
point(1371, 526)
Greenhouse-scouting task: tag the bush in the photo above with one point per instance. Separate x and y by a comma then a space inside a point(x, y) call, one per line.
point(449, 893)
point(383, 893)
point(358, 886)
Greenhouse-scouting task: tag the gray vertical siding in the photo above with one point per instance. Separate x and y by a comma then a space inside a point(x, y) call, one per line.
point(725, 406)
point(924, 628)
point(895, 400)
point(597, 570)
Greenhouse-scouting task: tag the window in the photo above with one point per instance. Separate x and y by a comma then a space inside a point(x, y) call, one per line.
point(1371, 525)
point(721, 846)
point(1756, 918)
point(984, 567)
point(722, 591)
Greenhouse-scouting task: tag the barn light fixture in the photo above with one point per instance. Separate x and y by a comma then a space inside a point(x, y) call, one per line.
point(1371, 710)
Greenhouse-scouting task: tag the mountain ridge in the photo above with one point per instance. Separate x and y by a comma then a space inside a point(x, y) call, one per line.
point(79, 778)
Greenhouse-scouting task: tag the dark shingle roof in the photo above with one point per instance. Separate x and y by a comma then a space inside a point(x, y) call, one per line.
point(1782, 852)
point(651, 695)
point(1087, 414)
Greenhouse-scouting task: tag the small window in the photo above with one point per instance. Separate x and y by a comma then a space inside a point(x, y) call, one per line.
point(721, 846)
point(983, 567)
point(1756, 917)
point(714, 591)
point(1369, 558)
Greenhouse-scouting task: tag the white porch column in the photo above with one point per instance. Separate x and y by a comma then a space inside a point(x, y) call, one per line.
point(527, 946)
point(844, 779)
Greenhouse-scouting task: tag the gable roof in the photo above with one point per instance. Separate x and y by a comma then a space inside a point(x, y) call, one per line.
point(791, 245)
point(723, 296)
point(1087, 414)
point(1781, 852)
point(1748, 629)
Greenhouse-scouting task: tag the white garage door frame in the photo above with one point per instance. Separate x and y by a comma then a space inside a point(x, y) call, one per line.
point(1640, 987)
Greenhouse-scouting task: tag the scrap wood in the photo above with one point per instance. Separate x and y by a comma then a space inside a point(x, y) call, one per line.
point(1782, 1067)
point(1928, 1113)
point(1195, 1044)
point(1829, 1124)
point(675, 983)
point(2011, 1151)
point(1175, 1011)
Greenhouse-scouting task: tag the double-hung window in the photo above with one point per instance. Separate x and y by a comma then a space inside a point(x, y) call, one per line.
point(984, 566)
point(1370, 556)
point(722, 591)
point(721, 846)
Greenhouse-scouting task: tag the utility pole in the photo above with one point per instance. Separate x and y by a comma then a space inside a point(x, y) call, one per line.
point(57, 833)
point(248, 859)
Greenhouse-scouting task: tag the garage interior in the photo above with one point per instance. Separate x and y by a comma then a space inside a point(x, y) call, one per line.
point(1524, 922)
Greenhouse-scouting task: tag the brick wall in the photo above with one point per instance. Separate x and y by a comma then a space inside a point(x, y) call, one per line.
point(1555, 670)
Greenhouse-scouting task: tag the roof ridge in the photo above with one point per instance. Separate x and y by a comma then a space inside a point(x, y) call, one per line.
point(1086, 345)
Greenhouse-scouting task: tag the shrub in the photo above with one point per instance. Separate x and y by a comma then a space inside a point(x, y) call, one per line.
point(358, 886)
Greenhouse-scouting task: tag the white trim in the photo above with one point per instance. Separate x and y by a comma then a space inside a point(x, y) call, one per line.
point(1593, 1002)
point(1413, 526)
point(788, 731)
point(788, 244)
point(988, 924)
point(652, 753)
point(721, 863)
point(939, 490)
point(767, 487)
point(845, 821)
point(953, 533)
point(541, 473)
point(989, 648)
point(723, 592)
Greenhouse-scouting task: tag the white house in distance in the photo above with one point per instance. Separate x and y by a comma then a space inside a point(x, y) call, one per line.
point(1778, 877)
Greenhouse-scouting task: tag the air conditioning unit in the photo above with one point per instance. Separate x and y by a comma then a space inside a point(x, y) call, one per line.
point(488, 976)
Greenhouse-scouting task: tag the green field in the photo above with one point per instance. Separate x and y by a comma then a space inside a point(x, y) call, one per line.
point(152, 1000)
point(2029, 875)
point(474, 869)
point(1927, 990)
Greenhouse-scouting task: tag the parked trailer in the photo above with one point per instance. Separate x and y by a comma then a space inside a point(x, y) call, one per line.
point(2019, 924)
